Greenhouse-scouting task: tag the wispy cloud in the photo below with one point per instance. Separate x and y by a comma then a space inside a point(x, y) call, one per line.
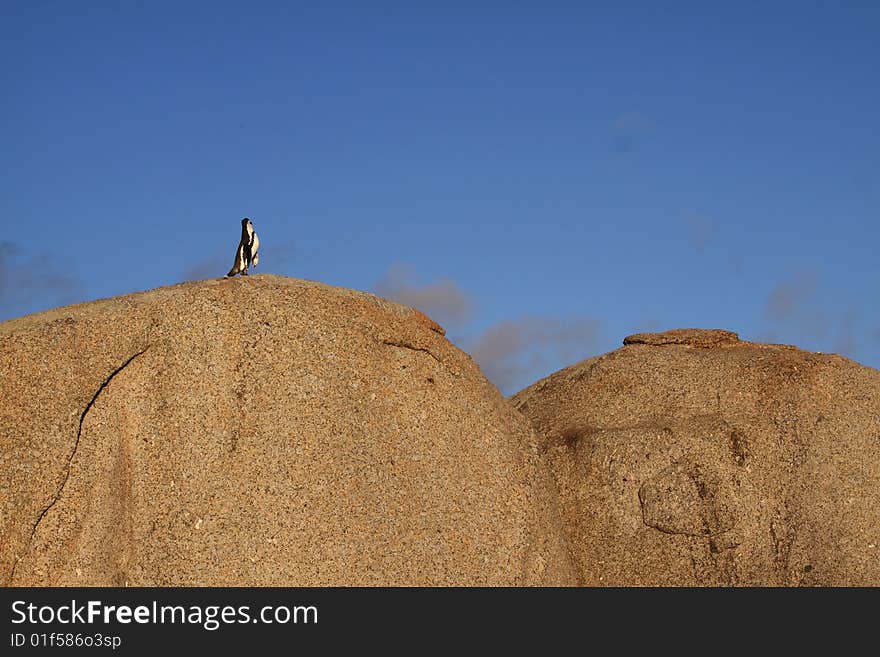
point(847, 341)
point(33, 281)
point(629, 131)
point(708, 235)
point(787, 300)
point(443, 300)
point(276, 257)
point(8, 251)
point(700, 231)
point(796, 312)
point(513, 352)
point(770, 337)
point(214, 266)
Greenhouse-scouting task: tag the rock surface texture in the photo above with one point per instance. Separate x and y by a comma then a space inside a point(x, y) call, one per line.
point(691, 458)
point(262, 431)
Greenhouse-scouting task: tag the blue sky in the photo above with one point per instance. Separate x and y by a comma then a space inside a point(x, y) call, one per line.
point(542, 178)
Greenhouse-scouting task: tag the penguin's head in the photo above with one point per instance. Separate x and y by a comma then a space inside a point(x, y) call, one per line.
point(246, 223)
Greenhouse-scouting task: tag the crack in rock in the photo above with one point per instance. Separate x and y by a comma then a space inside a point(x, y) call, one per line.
point(404, 345)
point(70, 458)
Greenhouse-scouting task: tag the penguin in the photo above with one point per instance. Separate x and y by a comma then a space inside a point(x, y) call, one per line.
point(246, 255)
